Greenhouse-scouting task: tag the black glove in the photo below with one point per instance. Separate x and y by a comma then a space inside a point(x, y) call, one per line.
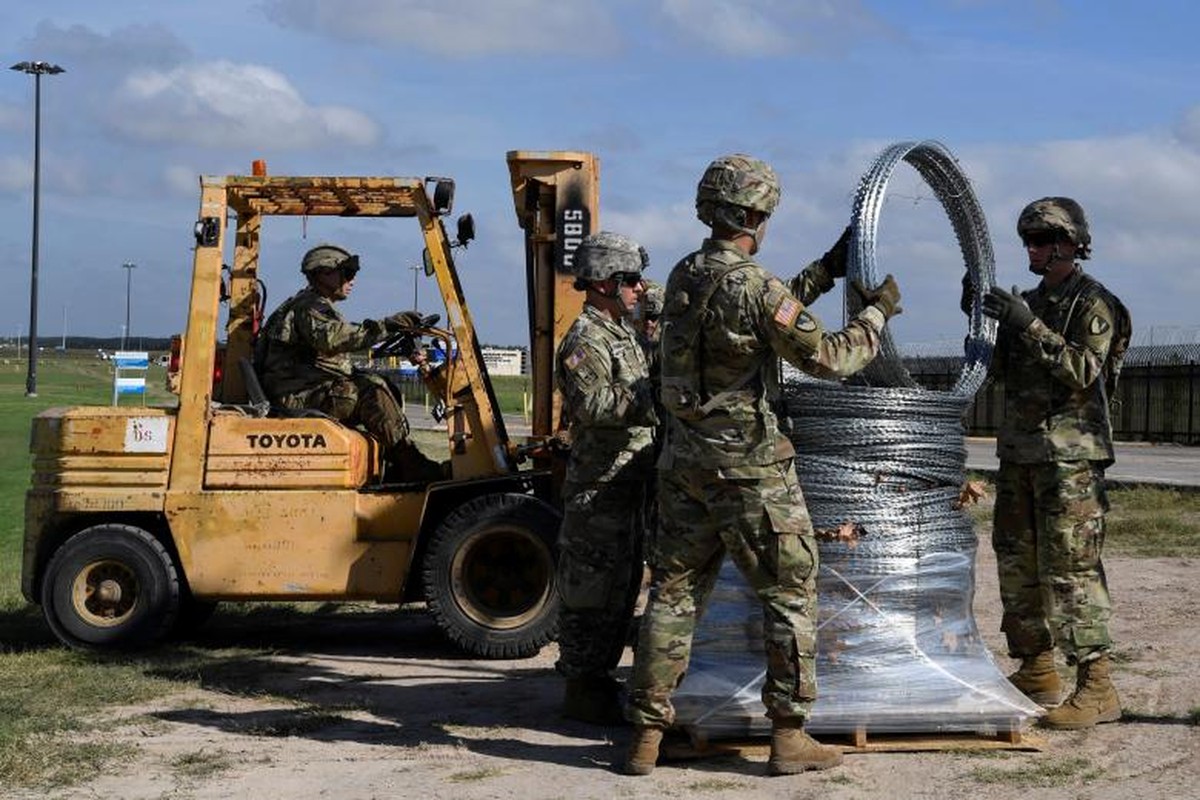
point(835, 259)
point(885, 296)
point(966, 300)
point(1008, 307)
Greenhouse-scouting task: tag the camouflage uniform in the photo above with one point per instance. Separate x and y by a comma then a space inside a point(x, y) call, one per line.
point(726, 479)
point(603, 376)
point(1054, 445)
point(306, 364)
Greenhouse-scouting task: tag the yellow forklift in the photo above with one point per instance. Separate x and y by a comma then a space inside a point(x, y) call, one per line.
point(140, 519)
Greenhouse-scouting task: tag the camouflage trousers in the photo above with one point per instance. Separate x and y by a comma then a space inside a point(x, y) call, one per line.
point(599, 574)
point(359, 399)
point(1048, 535)
point(757, 516)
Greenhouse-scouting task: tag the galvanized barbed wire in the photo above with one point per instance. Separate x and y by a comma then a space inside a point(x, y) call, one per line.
point(890, 461)
point(941, 172)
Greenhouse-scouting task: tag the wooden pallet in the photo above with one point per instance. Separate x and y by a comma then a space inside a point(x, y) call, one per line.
point(859, 741)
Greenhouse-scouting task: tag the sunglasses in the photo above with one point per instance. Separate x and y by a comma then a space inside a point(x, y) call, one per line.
point(348, 268)
point(1039, 238)
point(629, 279)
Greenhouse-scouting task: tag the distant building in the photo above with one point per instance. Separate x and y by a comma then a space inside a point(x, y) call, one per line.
point(504, 360)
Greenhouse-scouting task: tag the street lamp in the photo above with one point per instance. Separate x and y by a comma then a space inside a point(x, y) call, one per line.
point(128, 266)
point(37, 69)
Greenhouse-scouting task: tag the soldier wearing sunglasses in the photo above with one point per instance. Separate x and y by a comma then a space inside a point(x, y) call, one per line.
point(303, 358)
point(1059, 353)
point(608, 406)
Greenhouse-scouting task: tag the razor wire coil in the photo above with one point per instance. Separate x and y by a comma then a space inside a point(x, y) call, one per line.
point(939, 169)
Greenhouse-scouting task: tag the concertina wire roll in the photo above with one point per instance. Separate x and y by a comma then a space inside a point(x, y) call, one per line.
point(881, 462)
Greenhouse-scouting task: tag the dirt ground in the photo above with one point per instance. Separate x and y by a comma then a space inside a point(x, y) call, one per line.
point(399, 713)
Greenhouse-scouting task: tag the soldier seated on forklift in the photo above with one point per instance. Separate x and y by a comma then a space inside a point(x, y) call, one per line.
point(303, 358)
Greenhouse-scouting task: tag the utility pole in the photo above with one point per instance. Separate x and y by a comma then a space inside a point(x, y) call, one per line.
point(128, 266)
point(416, 305)
point(37, 69)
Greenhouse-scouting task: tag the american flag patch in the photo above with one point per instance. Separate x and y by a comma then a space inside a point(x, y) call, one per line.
point(786, 313)
point(576, 358)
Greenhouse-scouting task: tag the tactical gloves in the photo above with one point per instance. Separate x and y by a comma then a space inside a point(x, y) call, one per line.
point(885, 296)
point(407, 320)
point(1008, 307)
point(967, 299)
point(836, 258)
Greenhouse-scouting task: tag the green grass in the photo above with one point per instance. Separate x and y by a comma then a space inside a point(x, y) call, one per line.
point(1039, 774)
point(1153, 522)
point(50, 729)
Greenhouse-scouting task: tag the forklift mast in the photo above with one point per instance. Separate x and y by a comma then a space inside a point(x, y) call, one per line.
point(557, 198)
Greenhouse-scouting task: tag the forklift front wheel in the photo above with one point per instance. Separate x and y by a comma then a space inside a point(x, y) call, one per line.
point(110, 587)
point(489, 575)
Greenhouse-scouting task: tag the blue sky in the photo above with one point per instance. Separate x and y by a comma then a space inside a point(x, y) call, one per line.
point(1096, 100)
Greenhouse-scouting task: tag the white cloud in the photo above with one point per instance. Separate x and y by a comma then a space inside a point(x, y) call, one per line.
point(461, 28)
point(1188, 129)
point(773, 27)
point(222, 104)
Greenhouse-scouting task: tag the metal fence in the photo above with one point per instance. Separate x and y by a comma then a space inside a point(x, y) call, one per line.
point(1157, 399)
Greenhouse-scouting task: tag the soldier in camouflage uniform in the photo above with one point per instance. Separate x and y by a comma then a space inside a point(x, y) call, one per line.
point(303, 357)
point(608, 404)
point(726, 479)
point(1059, 354)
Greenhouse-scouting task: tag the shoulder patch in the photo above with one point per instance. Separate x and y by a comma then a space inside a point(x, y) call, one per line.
point(805, 323)
point(577, 357)
point(787, 311)
point(1098, 325)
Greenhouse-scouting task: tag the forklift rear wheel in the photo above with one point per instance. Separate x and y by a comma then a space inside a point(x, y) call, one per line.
point(489, 575)
point(111, 587)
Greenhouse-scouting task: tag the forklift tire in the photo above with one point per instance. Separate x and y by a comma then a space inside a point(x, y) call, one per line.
point(490, 575)
point(111, 587)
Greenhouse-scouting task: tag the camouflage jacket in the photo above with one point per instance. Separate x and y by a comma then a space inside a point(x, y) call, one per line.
point(607, 400)
point(720, 358)
point(1058, 372)
point(306, 343)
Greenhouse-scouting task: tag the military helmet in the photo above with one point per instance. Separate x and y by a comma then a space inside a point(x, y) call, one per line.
point(325, 256)
point(1060, 214)
point(654, 297)
point(605, 254)
point(736, 180)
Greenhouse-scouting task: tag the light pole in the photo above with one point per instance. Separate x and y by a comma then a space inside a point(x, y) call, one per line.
point(37, 69)
point(128, 266)
point(416, 305)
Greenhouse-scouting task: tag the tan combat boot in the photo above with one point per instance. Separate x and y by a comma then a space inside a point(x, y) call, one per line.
point(793, 750)
point(1095, 699)
point(643, 750)
point(1038, 679)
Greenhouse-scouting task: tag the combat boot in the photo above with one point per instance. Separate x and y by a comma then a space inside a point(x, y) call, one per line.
point(413, 465)
point(794, 751)
point(1038, 679)
point(643, 750)
point(596, 700)
point(1094, 700)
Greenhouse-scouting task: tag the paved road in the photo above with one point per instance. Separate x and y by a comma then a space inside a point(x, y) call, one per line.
point(1167, 465)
